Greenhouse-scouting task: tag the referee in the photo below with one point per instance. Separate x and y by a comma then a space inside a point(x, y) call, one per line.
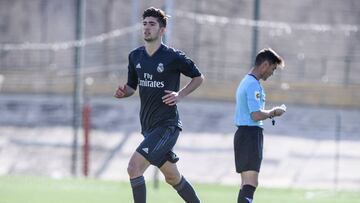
point(249, 115)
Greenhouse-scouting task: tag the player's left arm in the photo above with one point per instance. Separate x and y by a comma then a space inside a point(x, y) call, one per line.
point(172, 98)
point(191, 86)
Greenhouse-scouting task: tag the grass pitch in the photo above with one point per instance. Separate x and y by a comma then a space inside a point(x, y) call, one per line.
point(45, 190)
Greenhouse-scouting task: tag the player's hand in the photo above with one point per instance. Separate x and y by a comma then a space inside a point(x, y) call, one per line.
point(120, 92)
point(171, 98)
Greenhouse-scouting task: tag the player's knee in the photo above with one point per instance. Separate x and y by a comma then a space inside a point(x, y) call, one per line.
point(250, 178)
point(133, 170)
point(173, 179)
point(253, 183)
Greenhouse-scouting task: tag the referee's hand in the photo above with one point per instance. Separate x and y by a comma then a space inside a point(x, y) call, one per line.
point(279, 110)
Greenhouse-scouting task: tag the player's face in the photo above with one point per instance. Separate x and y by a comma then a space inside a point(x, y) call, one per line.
point(151, 29)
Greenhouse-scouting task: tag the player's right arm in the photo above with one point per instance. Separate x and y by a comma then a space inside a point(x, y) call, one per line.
point(124, 91)
point(130, 87)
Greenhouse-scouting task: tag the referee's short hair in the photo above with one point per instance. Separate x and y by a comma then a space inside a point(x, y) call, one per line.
point(269, 55)
point(158, 14)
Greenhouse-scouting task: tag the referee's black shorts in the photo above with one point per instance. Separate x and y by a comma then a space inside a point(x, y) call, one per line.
point(248, 148)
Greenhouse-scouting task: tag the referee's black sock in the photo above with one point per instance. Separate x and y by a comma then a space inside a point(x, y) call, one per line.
point(246, 194)
point(138, 189)
point(186, 191)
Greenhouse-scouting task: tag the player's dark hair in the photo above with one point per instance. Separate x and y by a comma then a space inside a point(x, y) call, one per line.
point(268, 55)
point(156, 13)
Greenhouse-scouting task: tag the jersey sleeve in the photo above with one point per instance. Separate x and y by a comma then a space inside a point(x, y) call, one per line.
point(132, 75)
point(253, 96)
point(187, 66)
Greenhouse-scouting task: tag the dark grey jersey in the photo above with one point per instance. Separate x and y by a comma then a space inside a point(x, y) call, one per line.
point(155, 74)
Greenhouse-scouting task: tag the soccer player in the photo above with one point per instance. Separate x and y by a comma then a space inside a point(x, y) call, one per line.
point(156, 69)
point(249, 115)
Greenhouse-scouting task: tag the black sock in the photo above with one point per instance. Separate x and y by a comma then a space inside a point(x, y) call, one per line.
point(186, 191)
point(239, 197)
point(246, 194)
point(139, 189)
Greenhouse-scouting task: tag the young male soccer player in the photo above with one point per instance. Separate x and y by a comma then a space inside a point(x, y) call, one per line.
point(156, 69)
point(249, 115)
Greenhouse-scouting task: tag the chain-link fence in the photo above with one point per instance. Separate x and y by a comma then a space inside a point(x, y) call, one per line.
point(319, 45)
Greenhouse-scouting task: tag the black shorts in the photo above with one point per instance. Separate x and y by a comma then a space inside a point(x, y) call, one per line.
point(158, 143)
point(248, 148)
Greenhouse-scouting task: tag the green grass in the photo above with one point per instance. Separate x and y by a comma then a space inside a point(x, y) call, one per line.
point(45, 190)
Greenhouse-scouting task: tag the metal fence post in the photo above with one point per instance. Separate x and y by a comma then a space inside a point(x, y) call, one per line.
point(78, 80)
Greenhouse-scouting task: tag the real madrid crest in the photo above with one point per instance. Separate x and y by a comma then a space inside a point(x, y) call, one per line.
point(160, 68)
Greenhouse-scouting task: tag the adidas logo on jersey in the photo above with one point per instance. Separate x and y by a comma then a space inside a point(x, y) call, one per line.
point(138, 66)
point(146, 150)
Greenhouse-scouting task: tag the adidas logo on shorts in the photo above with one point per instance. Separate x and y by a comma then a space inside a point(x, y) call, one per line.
point(146, 150)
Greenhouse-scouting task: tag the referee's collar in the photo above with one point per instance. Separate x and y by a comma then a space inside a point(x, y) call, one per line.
point(253, 76)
